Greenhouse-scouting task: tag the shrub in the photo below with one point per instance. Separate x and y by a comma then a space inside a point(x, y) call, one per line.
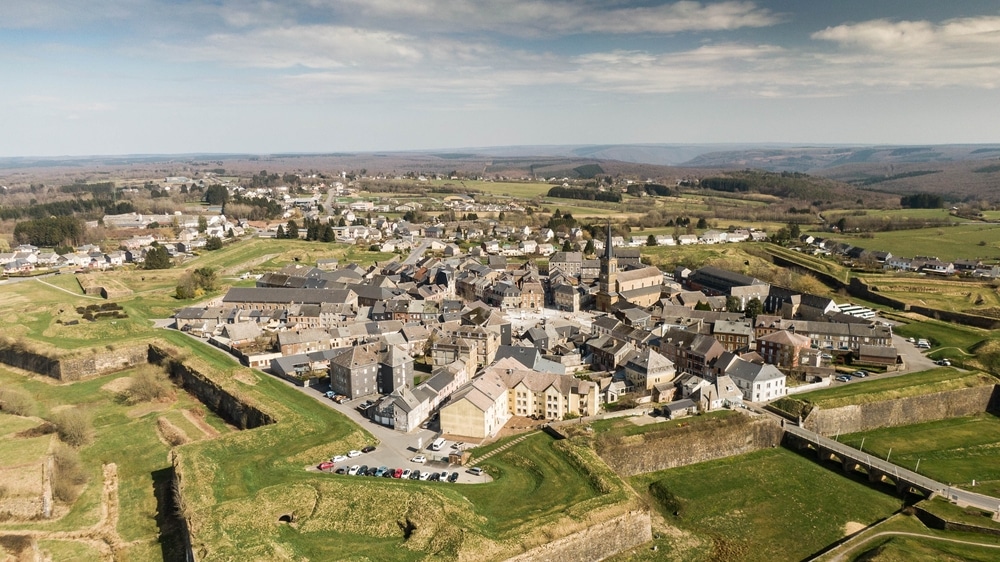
point(16, 402)
point(69, 474)
point(73, 426)
point(147, 385)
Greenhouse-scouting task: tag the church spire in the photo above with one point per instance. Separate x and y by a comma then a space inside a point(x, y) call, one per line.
point(608, 252)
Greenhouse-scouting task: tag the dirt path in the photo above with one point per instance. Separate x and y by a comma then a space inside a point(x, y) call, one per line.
point(866, 540)
point(103, 536)
point(58, 288)
point(201, 424)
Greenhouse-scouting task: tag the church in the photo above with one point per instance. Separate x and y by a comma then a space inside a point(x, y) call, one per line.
point(636, 285)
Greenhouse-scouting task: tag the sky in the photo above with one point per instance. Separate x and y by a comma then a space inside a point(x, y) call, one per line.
point(93, 77)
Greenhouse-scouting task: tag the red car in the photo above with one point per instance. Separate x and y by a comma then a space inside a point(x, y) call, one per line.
point(325, 465)
point(398, 473)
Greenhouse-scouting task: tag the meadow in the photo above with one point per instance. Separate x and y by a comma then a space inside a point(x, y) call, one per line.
point(963, 241)
point(769, 505)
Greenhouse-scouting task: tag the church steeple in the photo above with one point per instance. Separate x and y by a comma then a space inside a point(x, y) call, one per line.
point(607, 283)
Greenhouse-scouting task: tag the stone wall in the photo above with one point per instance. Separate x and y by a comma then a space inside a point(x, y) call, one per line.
point(229, 407)
point(83, 365)
point(101, 361)
point(903, 411)
point(596, 542)
point(735, 435)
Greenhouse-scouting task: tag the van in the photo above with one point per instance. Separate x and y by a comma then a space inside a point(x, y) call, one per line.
point(475, 471)
point(437, 444)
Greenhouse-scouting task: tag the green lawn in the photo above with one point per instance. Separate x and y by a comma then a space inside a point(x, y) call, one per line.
point(624, 427)
point(879, 389)
point(956, 451)
point(769, 505)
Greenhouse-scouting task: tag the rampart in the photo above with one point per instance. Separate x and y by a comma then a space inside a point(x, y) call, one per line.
point(596, 542)
point(235, 410)
point(736, 435)
point(73, 367)
point(903, 411)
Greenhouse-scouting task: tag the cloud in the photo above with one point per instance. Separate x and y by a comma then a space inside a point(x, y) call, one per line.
point(541, 17)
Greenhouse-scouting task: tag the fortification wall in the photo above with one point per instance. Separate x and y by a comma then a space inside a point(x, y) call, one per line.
point(596, 542)
point(219, 400)
point(639, 454)
point(84, 365)
point(902, 411)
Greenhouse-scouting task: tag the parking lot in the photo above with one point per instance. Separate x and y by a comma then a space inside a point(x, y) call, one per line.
point(394, 449)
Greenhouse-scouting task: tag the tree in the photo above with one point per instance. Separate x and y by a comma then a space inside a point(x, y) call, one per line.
point(292, 230)
point(157, 257)
point(754, 308)
point(202, 223)
point(213, 243)
point(206, 278)
point(280, 234)
point(702, 305)
point(216, 195)
point(73, 426)
point(702, 224)
point(793, 231)
point(589, 248)
point(650, 240)
point(502, 216)
point(733, 304)
point(567, 246)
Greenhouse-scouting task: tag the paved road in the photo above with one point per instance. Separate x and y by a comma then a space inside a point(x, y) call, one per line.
point(417, 252)
point(954, 494)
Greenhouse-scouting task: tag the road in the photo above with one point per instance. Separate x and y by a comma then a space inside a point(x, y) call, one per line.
point(417, 253)
point(954, 494)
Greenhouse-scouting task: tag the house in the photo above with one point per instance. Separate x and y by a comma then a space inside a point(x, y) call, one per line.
point(478, 410)
point(690, 352)
point(722, 393)
point(679, 408)
point(758, 383)
point(648, 369)
point(546, 395)
point(783, 348)
point(354, 373)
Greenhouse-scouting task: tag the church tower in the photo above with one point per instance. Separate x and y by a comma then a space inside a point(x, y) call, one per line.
point(607, 283)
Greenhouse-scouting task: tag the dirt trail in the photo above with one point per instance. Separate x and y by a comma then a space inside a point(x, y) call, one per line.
point(854, 547)
point(201, 424)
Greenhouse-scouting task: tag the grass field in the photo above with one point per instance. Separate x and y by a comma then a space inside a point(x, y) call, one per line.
point(923, 548)
point(123, 434)
point(970, 515)
point(879, 389)
point(974, 297)
point(770, 505)
point(624, 427)
point(957, 450)
point(947, 243)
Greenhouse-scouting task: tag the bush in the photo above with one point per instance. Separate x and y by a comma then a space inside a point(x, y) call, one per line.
point(73, 426)
point(16, 402)
point(667, 500)
point(147, 385)
point(69, 474)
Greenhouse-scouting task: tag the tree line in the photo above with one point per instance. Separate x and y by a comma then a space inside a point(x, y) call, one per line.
point(585, 194)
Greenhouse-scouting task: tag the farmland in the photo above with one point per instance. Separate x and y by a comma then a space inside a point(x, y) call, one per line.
point(728, 508)
point(964, 241)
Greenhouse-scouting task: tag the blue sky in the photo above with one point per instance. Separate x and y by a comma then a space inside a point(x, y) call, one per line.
point(87, 77)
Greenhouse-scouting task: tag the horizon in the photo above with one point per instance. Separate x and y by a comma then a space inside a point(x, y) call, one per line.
point(144, 77)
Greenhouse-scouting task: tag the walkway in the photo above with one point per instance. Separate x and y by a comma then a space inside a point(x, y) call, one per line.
point(851, 546)
point(502, 448)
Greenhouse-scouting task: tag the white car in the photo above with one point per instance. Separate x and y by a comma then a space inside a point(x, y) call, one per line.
point(353, 454)
point(425, 475)
point(339, 458)
point(419, 458)
point(353, 470)
point(405, 475)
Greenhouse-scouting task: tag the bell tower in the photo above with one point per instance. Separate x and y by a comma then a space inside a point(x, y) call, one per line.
point(607, 283)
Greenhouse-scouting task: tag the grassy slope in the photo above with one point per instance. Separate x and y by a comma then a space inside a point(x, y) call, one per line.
point(947, 243)
point(957, 450)
point(746, 511)
point(876, 390)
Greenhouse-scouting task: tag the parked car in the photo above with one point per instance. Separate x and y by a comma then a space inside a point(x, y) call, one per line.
point(426, 475)
point(911, 340)
point(339, 458)
point(372, 470)
point(453, 477)
point(859, 374)
point(341, 470)
point(353, 470)
point(325, 465)
point(844, 378)
point(353, 454)
point(363, 470)
point(433, 477)
point(475, 471)
point(405, 474)
point(398, 473)
point(944, 362)
point(330, 394)
point(419, 458)
point(389, 473)
point(415, 475)
point(444, 475)
point(368, 449)
point(340, 399)
point(380, 471)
